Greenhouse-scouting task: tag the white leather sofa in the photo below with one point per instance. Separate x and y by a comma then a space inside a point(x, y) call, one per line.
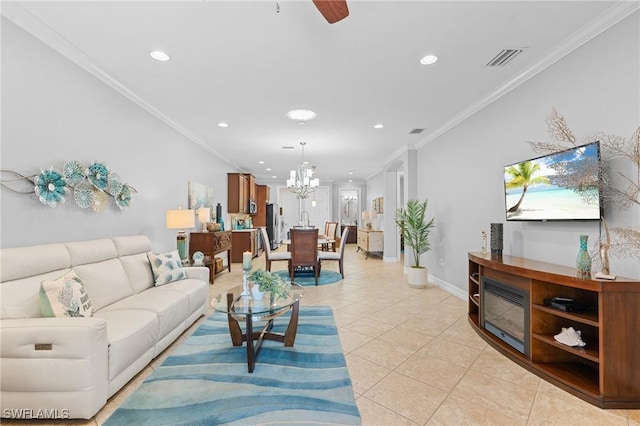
point(70, 366)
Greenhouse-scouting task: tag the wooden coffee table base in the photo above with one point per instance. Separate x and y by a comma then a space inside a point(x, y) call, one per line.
point(238, 337)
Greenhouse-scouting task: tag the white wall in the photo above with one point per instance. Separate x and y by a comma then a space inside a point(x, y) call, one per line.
point(596, 88)
point(52, 112)
point(375, 189)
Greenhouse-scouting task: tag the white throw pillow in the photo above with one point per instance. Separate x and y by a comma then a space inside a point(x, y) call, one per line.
point(65, 297)
point(166, 267)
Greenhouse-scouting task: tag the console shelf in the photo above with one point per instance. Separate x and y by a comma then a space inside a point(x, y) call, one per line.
point(606, 371)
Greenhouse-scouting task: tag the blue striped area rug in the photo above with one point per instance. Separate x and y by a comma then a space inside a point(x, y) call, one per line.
point(205, 381)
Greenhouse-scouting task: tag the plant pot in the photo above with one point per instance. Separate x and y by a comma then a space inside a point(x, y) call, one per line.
point(256, 293)
point(418, 277)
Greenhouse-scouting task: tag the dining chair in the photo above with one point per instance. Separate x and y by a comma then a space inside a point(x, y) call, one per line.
point(330, 230)
point(304, 251)
point(337, 256)
point(268, 255)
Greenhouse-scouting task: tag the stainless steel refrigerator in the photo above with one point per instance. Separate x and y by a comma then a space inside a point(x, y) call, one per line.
point(273, 225)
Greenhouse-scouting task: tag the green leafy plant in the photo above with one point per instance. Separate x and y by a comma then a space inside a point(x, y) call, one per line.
point(414, 229)
point(270, 282)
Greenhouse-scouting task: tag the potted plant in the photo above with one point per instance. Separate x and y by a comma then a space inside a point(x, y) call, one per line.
point(415, 232)
point(270, 282)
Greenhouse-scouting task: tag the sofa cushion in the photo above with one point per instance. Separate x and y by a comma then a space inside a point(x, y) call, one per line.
point(132, 251)
point(170, 307)
point(92, 251)
point(65, 297)
point(133, 244)
point(166, 267)
point(197, 294)
point(21, 262)
point(138, 269)
point(131, 333)
point(21, 298)
point(106, 282)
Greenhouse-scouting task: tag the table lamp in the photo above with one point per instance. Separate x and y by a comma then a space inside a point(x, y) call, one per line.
point(181, 219)
point(204, 215)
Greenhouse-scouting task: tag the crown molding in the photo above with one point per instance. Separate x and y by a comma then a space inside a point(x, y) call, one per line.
point(29, 23)
point(586, 33)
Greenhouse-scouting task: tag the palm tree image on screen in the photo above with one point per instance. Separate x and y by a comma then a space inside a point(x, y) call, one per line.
point(522, 175)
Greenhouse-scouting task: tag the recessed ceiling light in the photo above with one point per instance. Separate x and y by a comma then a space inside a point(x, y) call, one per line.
point(350, 180)
point(268, 169)
point(429, 59)
point(350, 172)
point(378, 126)
point(260, 162)
point(301, 115)
point(274, 177)
point(223, 124)
point(159, 55)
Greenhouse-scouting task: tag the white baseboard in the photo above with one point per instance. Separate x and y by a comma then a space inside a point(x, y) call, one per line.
point(456, 291)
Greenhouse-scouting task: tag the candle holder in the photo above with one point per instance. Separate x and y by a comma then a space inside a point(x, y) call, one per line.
point(246, 267)
point(245, 283)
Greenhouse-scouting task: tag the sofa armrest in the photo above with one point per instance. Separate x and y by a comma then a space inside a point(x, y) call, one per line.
point(198, 272)
point(57, 364)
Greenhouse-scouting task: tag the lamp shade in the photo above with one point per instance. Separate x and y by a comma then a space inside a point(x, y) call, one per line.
point(180, 219)
point(204, 214)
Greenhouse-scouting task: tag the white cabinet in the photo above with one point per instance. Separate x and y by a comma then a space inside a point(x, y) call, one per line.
point(370, 241)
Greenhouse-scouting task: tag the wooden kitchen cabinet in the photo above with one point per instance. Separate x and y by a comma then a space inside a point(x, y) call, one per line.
point(241, 241)
point(241, 188)
point(210, 244)
point(237, 193)
point(251, 187)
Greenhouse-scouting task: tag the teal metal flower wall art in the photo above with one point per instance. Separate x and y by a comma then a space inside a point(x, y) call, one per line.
point(92, 186)
point(50, 187)
point(97, 174)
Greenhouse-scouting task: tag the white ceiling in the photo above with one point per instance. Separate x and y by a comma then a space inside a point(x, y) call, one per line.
point(243, 63)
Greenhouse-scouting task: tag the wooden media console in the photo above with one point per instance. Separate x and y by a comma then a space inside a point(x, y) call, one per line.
point(606, 371)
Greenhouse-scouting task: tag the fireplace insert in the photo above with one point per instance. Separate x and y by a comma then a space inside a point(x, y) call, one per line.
point(503, 313)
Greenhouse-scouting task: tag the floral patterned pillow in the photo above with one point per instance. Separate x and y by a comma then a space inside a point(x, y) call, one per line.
point(65, 297)
point(166, 267)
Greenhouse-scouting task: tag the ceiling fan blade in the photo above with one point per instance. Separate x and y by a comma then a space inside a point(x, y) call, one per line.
point(332, 10)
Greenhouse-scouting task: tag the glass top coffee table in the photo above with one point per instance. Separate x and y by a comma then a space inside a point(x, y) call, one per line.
point(251, 310)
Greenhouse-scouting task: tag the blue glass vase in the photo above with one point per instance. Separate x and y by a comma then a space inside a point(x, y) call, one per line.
point(583, 262)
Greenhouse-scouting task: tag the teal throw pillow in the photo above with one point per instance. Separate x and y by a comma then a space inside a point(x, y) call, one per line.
point(166, 267)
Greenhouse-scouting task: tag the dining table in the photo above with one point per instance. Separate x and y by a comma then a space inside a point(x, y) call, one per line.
point(322, 240)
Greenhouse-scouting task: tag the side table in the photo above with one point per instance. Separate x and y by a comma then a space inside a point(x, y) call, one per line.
point(250, 310)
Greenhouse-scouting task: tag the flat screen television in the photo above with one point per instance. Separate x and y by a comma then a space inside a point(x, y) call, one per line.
point(559, 186)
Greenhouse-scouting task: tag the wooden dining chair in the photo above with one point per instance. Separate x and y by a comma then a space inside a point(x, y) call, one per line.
point(304, 251)
point(337, 256)
point(268, 255)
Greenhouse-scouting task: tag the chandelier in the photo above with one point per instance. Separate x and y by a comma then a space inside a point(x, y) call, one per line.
point(300, 181)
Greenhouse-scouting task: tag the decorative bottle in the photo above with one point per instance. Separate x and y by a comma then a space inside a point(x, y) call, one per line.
point(583, 262)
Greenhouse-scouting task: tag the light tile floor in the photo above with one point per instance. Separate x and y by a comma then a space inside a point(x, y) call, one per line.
point(413, 358)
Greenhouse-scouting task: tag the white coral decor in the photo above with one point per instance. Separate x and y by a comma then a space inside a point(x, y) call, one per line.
point(569, 337)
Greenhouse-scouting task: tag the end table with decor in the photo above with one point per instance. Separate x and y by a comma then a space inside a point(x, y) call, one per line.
point(210, 244)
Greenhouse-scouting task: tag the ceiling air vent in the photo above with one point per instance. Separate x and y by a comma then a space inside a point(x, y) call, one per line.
point(416, 131)
point(504, 57)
